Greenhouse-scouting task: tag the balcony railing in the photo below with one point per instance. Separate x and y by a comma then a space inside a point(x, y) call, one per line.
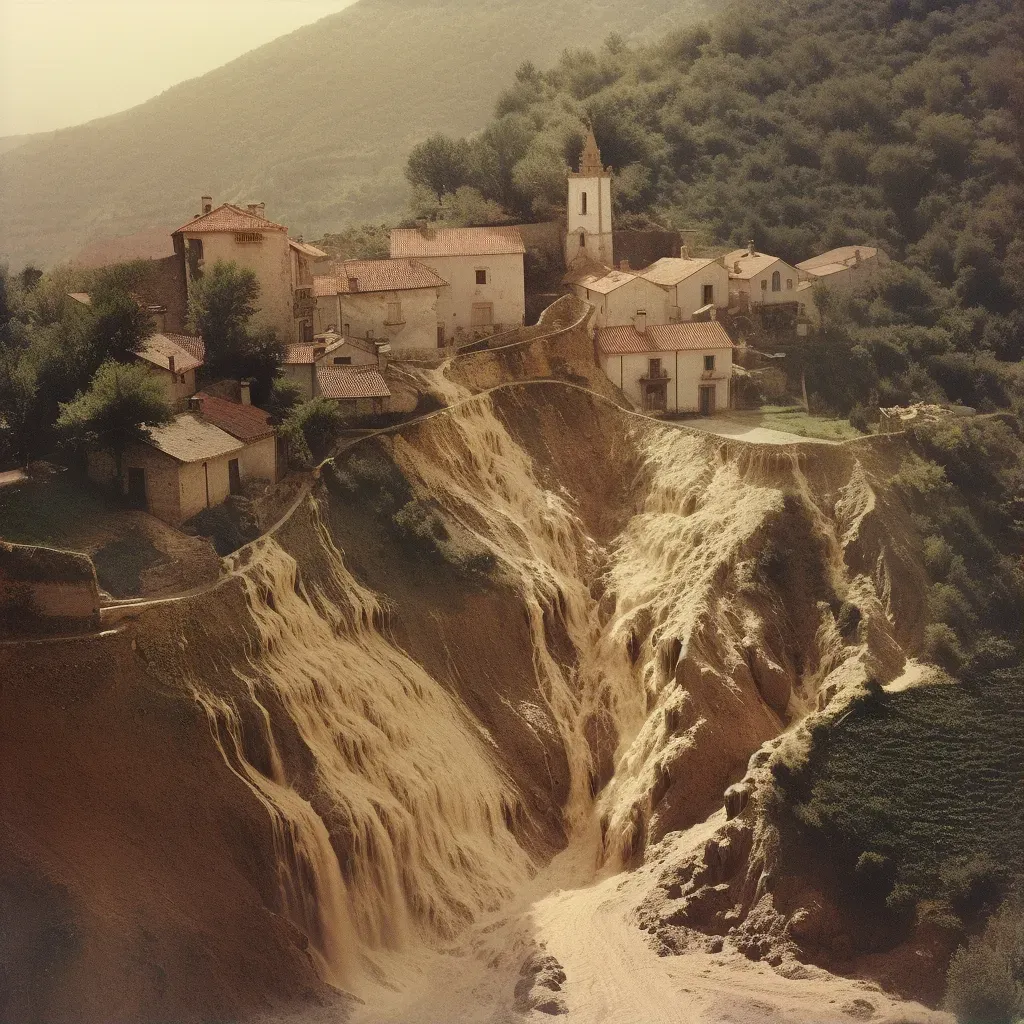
point(652, 376)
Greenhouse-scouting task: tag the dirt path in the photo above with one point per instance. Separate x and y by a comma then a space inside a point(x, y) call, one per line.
point(740, 431)
point(612, 976)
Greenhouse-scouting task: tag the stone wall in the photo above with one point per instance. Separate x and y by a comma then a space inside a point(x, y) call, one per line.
point(46, 590)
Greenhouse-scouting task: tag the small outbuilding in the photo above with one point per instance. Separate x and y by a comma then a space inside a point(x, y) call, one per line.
point(689, 285)
point(173, 361)
point(358, 391)
point(758, 279)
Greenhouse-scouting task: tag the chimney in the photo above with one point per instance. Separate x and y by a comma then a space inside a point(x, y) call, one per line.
point(318, 352)
point(252, 207)
point(206, 204)
point(640, 321)
point(684, 252)
point(261, 210)
point(243, 387)
point(170, 363)
point(623, 264)
point(751, 251)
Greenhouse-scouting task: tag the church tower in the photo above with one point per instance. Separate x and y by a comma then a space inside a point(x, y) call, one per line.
point(589, 213)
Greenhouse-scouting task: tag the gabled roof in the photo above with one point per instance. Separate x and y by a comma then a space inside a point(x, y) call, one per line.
point(228, 217)
point(670, 271)
point(749, 266)
point(188, 438)
point(375, 276)
point(692, 336)
point(351, 382)
point(302, 355)
point(191, 343)
point(598, 278)
point(159, 349)
point(496, 241)
point(841, 258)
point(244, 422)
point(307, 249)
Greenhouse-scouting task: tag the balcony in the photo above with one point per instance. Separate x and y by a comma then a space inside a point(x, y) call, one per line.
point(659, 376)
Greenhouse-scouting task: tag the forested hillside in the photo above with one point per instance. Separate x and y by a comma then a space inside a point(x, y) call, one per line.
point(317, 124)
point(806, 126)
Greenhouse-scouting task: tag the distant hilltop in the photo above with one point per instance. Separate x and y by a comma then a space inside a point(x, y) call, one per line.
point(319, 122)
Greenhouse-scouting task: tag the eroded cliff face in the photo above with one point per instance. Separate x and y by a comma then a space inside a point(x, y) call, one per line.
point(483, 633)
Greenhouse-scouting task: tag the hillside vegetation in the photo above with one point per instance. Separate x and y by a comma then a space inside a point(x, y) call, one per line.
point(805, 126)
point(317, 124)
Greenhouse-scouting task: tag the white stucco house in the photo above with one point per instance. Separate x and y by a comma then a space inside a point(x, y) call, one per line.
point(397, 300)
point(173, 359)
point(302, 362)
point(689, 285)
point(619, 297)
point(483, 268)
point(283, 266)
point(758, 279)
point(850, 268)
point(684, 367)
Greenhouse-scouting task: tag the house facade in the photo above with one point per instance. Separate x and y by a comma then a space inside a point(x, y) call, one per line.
point(619, 297)
point(301, 362)
point(684, 367)
point(283, 266)
point(398, 301)
point(483, 268)
point(851, 268)
point(359, 391)
point(758, 279)
point(258, 459)
point(689, 285)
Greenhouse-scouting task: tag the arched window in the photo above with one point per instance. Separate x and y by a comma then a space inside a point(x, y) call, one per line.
point(583, 203)
point(776, 282)
point(583, 240)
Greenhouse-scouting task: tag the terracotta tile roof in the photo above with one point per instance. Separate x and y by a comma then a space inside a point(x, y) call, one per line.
point(845, 256)
point(187, 438)
point(351, 382)
point(228, 217)
point(686, 337)
point(158, 349)
point(375, 276)
point(191, 343)
point(670, 271)
point(302, 355)
point(497, 241)
point(307, 249)
point(83, 297)
point(246, 422)
point(825, 269)
point(749, 266)
point(599, 279)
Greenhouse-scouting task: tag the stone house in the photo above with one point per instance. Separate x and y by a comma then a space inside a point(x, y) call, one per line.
point(684, 367)
point(173, 361)
point(359, 391)
point(690, 285)
point(188, 465)
point(757, 279)
point(301, 362)
point(850, 268)
point(619, 297)
point(283, 266)
point(259, 459)
point(483, 268)
point(398, 301)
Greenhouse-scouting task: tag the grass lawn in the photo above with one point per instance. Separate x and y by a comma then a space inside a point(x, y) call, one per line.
point(793, 420)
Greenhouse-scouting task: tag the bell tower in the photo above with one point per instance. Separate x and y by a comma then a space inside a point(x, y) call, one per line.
point(588, 219)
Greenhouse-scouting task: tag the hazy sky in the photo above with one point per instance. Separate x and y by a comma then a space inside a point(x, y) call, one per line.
point(63, 62)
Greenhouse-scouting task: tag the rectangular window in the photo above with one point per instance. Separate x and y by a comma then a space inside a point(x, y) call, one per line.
point(789, 284)
point(709, 294)
point(709, 363)
point(482, 314)
point(342, 360)
point(394, 312)
point(248, 237)
point(307, 330)
point(481, 277)
point(654, 368)
point(764, 286)
point(234, 477)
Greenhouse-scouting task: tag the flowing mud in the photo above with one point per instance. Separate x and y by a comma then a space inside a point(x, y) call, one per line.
point(485, 686)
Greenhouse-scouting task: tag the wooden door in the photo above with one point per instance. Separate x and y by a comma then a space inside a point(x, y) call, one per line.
point(234, 477)
point(706, 400)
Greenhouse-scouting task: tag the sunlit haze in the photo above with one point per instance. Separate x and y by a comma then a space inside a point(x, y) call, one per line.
point(63, 62)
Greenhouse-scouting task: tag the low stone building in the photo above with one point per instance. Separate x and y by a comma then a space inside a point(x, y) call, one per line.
point(301, 362)
point(358, 391)
point(259, 459)
point(685, 367)
point(757, 279)
point(850, 268)
point(398, 301)
point(619, 297)
point(483, 268)
point(184, 467)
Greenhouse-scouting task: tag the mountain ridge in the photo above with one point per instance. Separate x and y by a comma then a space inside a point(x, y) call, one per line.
point(329, 147)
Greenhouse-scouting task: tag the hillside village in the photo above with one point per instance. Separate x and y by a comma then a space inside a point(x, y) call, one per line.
point(674, 333)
